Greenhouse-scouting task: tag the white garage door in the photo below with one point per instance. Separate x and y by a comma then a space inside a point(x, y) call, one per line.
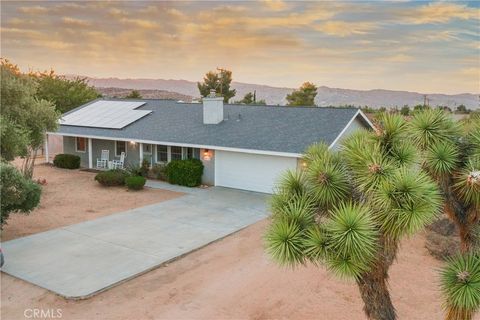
point(252, 172)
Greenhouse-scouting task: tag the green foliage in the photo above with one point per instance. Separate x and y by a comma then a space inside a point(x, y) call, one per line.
point(461, 109)
point(460, 283)
point(329, 182)
point(66, 161)
point(352, 240)
point(111, 178)
point(159, 170)
point(18, 193)
point(405, 111)
point(304, 96)
point(24, 113)
point(442, 158)
point(406, 203)
point(432, 126)
point(251, 99)
point(292, 183)
point(134, 94)
point(467, 182)
point(218, 81)
point(186, 172)
point(144, 168)
point(64, 93)
point(14, 139)
point(135, 182)
point(285, 243)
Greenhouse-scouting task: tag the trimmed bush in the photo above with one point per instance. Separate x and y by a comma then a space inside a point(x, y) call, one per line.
point(66, 161)
point(185, 172)
point(135, 182)
point(18, 193)
point(110, 178)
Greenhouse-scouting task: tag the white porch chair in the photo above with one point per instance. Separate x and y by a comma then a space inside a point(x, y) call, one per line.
point(118, 164)
point(102, 163)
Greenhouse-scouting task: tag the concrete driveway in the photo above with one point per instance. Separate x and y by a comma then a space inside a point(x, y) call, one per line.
point(81, 260)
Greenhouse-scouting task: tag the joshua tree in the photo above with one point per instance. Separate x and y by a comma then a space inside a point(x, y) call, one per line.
point(348, 209)
point(451, 155)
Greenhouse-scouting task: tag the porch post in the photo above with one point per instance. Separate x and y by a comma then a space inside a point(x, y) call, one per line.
point(141, 152)
point(90, 160)
point(47, 158)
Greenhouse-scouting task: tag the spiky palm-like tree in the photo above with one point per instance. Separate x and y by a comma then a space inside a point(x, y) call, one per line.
point(348, 209)
point(461, 286)
point(451, 155)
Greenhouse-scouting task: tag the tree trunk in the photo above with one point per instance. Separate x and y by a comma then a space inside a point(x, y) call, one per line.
point(373, 285)
point(375, 296)
point(465, 217)
point(28, 163)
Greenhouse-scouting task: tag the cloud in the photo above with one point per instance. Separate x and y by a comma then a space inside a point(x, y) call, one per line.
point(33, 10)
point(343, 28)
point(73, 22)
point(281, 43)
point(276, 5)
point(438, 12)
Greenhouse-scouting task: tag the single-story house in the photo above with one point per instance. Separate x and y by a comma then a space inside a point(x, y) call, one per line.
point(241, 146)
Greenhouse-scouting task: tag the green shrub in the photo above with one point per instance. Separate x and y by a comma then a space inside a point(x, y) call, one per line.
point(110, 178)
point(159, 171)
point(185, 172)
point(135, 182)
point(144, 168)
point(18, 193)
point(67, 161)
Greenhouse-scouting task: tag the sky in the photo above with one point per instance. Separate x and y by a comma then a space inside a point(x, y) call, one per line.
point(431, 47)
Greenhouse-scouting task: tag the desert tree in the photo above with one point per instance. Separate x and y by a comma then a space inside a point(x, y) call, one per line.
point(348, 209)
point(134, 94)
point(24, 117)
point(220, 82)
point(303, 96)
point(450, 153)
point(66, 94)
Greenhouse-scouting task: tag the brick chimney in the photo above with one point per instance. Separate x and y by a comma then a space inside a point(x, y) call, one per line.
point(212, 108)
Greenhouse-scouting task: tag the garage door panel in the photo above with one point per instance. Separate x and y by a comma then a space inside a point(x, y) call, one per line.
point(250, 171)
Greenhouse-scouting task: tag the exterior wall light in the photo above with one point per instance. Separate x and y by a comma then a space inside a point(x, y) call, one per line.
point(207, 156)
point(132, 142)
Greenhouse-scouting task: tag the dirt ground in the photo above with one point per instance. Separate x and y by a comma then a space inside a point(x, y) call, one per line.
point(72, 196)
point(233, 279)
point(229, 279)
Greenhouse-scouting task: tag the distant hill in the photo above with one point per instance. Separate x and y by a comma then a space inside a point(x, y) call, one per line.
point(145, 93)
point(275, 95)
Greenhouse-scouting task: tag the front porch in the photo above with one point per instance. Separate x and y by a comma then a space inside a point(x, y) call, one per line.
point(90, 151)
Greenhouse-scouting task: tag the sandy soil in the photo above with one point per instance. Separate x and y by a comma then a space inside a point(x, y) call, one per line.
point(233, 279)
point(72, 196)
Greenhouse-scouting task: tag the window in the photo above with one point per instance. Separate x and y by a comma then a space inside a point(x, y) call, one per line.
point(176, 153)
point(147, 148)
point(162, 153)
point(120, 146)
point(80, 144)
point(192, 153)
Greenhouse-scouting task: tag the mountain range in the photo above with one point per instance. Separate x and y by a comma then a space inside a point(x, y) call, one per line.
point(187, 90)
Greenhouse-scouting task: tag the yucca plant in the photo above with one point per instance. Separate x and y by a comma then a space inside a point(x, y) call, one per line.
point(347, 210)
point(460, 281)
point(451, 155)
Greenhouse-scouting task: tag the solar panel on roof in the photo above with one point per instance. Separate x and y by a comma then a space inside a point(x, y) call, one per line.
point(106, 114)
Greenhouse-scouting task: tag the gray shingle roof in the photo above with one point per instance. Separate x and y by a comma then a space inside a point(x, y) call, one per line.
point(267, 128)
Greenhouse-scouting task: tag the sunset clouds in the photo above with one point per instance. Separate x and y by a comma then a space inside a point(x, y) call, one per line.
point(418, 46)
